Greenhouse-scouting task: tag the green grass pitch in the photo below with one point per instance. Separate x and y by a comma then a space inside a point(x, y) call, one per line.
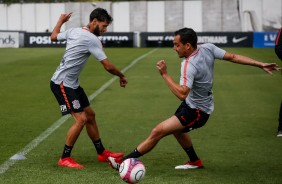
point(237, 145)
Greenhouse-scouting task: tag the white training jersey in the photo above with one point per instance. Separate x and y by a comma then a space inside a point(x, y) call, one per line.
point(80, 44)
point(197, 74)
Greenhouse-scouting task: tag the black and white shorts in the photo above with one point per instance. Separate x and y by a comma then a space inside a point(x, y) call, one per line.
point(70, 100)
point(191, 118)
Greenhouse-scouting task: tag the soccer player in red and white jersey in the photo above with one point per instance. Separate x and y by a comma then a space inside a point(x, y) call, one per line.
point(278, 51)
point(195, 92)
point(81, 43)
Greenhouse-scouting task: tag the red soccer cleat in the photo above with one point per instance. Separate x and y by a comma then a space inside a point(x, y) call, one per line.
point(106, 153)
point(69, 162)
point(198, 164)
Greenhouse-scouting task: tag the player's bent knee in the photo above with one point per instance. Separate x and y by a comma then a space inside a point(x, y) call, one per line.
point(156, 133)
point(90, 118)
point(177, 135)
point(81, 121)
point(90, 115)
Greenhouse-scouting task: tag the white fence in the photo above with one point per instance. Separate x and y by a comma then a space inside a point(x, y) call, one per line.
point(150, 16)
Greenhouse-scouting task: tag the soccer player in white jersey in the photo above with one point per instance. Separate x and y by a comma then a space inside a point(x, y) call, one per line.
point(195, 92)
point(80, 44)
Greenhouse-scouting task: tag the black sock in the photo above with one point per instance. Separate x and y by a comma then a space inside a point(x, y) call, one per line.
point(191, 154)
point(99, 146)
point(67, 151)
point(134, 154)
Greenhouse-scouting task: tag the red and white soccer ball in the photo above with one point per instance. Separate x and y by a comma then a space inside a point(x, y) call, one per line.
point(132, 170)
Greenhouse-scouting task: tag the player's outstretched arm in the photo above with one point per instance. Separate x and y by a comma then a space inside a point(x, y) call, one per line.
point(113, 70)
point(63, 18)
point(235, 58)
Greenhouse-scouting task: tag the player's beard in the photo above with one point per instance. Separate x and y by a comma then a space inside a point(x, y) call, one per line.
point(180, 55)
point(97, 31)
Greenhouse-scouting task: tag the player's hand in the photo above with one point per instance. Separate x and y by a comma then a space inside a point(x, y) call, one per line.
point(269, 67)
point(122, 81)
point(65, 17)
point(161, 66)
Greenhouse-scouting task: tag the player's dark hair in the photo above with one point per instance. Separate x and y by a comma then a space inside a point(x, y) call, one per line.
point(187, 35)
point(101, 15)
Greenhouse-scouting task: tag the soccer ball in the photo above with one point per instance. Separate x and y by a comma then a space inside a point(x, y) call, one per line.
point(132, 170)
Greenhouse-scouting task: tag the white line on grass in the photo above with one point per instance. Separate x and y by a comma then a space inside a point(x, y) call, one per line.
point(8, 163)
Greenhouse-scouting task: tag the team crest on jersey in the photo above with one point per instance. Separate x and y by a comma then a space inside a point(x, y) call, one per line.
point(76, 104)
point(63, 108)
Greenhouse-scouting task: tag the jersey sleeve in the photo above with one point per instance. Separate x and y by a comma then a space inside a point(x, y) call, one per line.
point(217, 52)
point(62, 36)
point(96, 49)
point(188, 72)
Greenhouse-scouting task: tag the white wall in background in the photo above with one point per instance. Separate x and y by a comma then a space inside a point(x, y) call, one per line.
point(42, 18)
point(150, 16)
point(193, 15)
point(3, 17)
point(56, 9)
point(272, 14)
point(28, 17)
point(155, 18)
point(14, 17)
point(251, 11)
point(121, 17)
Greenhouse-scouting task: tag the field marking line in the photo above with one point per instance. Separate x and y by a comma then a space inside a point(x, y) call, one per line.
point(34, 143)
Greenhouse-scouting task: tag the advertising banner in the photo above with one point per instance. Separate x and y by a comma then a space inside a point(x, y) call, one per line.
point(264, 39)
point(120, 39)
point(222, 39)
point(9, 39)
point(156, 39)
point(41, 40)
point(108, 40)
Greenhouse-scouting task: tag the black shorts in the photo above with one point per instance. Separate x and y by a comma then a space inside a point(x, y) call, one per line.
point(278, 44)
point(70, 100)
point(278, 51)
point(191, 118)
